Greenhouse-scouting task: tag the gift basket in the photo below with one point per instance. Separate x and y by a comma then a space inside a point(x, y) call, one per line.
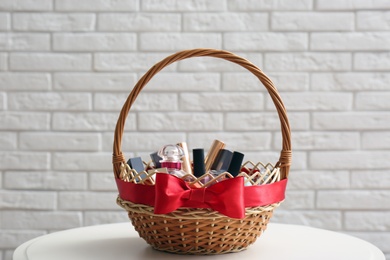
point(182, 206)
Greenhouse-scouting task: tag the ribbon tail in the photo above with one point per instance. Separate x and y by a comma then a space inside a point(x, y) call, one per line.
point(233, 212)
point(230, 199)
point(168, 192)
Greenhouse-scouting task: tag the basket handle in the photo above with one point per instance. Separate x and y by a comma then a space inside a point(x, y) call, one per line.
point(284, 161)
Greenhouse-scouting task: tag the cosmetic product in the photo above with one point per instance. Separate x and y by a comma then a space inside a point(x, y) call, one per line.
point(213, 152)
point(222, 162)
point(186, 164)
point(199, 167)
point(235, 164)
point(156, 160)
point(219, 168)
point(171, 155)
point(137, 165)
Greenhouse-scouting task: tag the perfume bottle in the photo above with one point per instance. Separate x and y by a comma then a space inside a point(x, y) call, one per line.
point(171, 159)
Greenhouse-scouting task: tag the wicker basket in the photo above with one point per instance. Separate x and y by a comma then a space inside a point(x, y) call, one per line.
point(200, 230)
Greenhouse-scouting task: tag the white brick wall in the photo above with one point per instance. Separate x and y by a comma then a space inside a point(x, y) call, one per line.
point(24, 42)
point(53, 22)
point(312, 21)
point(96, 5)
point(66, 67)
point(25, 81)
point(50, 62)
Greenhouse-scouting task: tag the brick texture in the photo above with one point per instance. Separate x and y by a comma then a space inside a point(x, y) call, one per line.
point(2, 101)
point(4, 21)
point(299, 21)
point(92, 5)
point(266, 41)
point(67, 67)
point(184, 5)
point(24, 42)
point(53, 21)
point(94, 42)
point(225, 22)
point(373, 20)
point(22, 5)
point(253, 5)
point(25, 81)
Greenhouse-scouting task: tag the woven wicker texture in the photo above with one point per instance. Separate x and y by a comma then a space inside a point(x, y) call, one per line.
point(202, 231)
point(198, 231)
point(255, 174)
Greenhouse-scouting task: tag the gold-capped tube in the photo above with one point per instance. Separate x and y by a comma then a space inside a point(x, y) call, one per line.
point(186, 163)
point(213, 152)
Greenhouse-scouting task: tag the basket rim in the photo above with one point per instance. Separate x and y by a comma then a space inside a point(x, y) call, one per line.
point(171, 193)
point(190, 213)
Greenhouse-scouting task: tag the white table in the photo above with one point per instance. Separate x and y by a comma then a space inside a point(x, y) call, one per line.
point(121, 241)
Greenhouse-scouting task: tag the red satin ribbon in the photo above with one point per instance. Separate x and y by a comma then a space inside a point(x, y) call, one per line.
point(229, 197)
point(225, 196)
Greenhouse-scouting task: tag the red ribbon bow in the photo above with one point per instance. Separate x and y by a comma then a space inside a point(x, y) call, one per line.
point(226, 197)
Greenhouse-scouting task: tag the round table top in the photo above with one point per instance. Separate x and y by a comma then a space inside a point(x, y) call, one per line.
point(120, 241)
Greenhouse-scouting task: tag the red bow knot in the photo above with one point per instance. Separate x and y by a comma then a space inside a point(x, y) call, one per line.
point(195, 195)
point(226, 197)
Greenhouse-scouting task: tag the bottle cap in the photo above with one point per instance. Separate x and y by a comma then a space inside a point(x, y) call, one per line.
point(171, 153)
point(199, 167)
point(222, 161)
point(235, 164)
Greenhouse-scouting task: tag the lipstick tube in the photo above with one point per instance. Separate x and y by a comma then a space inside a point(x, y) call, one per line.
point(222, 161)
point(213, 152)
point(199, 168)
point(186, 164)
point(235, 164)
